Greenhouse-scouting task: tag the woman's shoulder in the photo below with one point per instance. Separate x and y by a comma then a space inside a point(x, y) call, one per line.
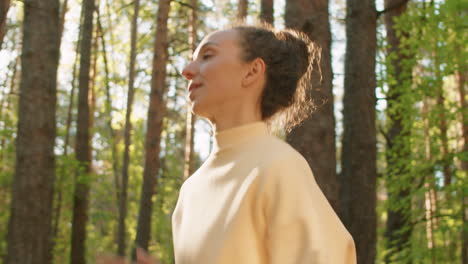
point(284, 171)
point(277, 153)
point(279, 157)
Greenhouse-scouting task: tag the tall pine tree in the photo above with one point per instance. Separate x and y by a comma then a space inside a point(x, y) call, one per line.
point(29, 229)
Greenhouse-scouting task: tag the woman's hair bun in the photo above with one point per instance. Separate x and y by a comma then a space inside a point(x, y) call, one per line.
point(296, 45)
point(288, 55)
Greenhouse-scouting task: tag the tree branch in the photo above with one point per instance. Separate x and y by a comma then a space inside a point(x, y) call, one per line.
point(184, 4)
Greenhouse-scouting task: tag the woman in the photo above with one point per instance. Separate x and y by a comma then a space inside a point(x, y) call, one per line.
point(254, 199)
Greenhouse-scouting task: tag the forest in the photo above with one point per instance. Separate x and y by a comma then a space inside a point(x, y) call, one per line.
point(96, 137)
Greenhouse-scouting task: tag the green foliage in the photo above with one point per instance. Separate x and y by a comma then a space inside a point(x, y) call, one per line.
point(431, 40)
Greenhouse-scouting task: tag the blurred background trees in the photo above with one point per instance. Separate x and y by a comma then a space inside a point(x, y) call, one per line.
point(96, 139)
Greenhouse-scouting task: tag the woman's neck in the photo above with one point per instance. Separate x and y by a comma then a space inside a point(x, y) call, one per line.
point(234, 119)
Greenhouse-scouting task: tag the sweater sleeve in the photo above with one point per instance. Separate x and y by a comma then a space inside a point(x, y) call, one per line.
point(301, 226)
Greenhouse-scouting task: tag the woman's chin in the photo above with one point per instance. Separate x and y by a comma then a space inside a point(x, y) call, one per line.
point(198, 109)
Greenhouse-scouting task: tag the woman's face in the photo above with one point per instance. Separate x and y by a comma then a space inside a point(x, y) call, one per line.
point(215, 74)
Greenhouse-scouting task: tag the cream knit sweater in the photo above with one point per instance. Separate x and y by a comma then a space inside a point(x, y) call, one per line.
point(255, 201)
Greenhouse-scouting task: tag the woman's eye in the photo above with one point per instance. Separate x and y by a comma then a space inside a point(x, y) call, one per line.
point(206, 56)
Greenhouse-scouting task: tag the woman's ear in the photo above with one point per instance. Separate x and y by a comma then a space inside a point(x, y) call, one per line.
point(255, 72)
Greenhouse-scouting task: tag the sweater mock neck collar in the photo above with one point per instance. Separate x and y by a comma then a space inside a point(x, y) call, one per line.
point(234, 136)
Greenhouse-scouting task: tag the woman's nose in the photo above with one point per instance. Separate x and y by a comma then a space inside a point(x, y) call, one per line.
point(187, 72)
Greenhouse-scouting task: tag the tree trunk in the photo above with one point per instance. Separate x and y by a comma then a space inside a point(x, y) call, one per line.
point(62, 18)
point(243, 6)
point(156, 113)
point(121, 235)
point(315, 137)
point(29, 229)
point(190, 121)
point(430, 199)
point(4, 6)
point(82, 149)
point(267, 11)
point(92, 87)
point(359, 151)
point(398, 228)
point(461, 75)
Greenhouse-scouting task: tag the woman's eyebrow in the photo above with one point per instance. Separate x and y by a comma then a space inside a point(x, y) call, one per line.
point(204, 46)
point(208, 43)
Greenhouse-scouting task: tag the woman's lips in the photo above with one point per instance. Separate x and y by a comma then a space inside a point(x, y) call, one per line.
point(194, 86)
point(191, 90)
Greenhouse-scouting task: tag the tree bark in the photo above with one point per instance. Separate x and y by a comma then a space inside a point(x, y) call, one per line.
point(29, 229)
point(63, 12)
point(398, 228)
point(315, 137)
point(92, 86)
point(190, 121)
point(359, 151)
point(127, 134)
point(156, 113)
point(243, 6)
point(82, 149)
point(4, 7)
point(267, 11)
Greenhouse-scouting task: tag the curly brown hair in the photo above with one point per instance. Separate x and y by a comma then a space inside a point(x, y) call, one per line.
point(288, 55)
